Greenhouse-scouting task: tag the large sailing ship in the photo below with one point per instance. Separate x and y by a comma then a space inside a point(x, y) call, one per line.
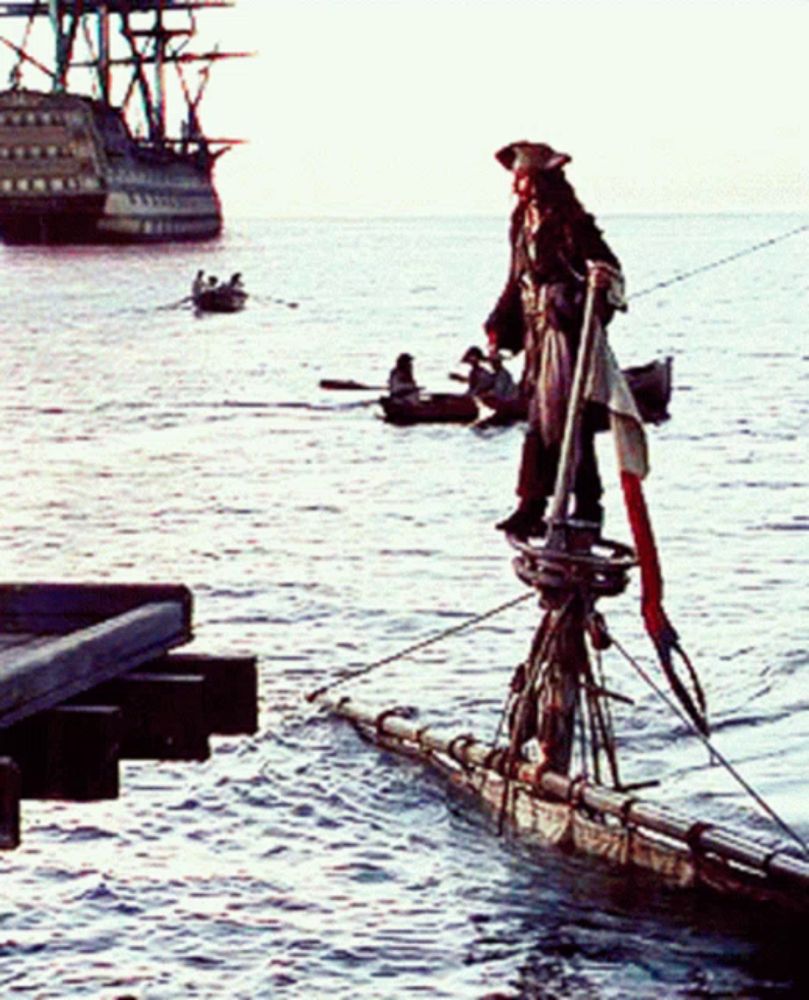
point(92, 158)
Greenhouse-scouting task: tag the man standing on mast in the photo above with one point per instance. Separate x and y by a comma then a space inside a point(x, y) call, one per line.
point(540, 311)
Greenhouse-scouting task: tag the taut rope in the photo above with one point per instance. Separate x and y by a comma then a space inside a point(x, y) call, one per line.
point(431, 640)
point(711, 748)
point(718, 263)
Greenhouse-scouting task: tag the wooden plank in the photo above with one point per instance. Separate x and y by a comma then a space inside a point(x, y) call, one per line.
point(231, 688)
point(163, 715)
point(9, 804)
point(59, 608)
point(69, 753)
point(32, 680)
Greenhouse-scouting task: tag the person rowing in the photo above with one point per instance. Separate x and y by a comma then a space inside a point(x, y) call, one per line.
point(401, 381)
point(503, 389)
point(480, 378)
point(198, 284)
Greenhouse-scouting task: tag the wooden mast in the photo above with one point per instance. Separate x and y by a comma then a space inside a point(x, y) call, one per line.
point(558, 670)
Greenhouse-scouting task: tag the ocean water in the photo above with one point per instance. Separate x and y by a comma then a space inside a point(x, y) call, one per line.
point(139, 442)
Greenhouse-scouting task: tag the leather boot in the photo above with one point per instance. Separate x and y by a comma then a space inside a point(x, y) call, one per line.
point(527, 521)
point(590, 511)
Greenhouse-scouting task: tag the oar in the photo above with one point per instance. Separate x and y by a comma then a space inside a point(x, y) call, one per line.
point(178, 303)
point(350, 385)
point(278, 302)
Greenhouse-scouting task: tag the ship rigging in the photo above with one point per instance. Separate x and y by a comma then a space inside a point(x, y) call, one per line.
point(97, 156)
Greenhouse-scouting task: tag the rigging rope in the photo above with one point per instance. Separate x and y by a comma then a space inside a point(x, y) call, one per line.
point(681, 715)
point(431, 640)
point(683, 276)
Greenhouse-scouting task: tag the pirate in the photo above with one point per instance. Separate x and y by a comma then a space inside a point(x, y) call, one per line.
point(540, 311)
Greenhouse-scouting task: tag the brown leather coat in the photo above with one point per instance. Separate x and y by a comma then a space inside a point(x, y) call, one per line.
point(553, 253)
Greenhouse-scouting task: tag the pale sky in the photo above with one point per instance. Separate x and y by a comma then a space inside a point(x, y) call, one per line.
point(356, 107)
point(390, 107)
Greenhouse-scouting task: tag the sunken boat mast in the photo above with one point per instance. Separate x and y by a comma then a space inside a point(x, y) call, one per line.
point(86, 148)
point(555, 774)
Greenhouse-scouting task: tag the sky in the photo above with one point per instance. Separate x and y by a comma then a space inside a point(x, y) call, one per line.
point(396, 107)
point(388, 107)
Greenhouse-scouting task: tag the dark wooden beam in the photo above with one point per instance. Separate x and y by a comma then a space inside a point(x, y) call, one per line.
point(231, 688)
point(34, 679)
point(69, 752)
point(9, 804)
point(58, 608)
point(163, 715)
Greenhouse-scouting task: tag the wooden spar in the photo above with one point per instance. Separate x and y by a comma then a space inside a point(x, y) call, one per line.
point(349, 384)
point(704, 843)
point(568, 452)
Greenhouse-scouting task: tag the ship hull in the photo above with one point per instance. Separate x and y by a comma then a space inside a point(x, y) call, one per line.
point(70, 172)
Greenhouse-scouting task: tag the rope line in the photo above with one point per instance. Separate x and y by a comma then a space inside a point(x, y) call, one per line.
point(711, 748)
point(718, 263)
point(422, 644)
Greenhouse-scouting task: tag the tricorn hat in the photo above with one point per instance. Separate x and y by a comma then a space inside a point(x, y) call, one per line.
point(404, 358)
point(471, 354)
point(530, 156)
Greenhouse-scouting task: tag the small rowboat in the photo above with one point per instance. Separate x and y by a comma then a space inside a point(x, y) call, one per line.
point(650, 385)
point(220, 299)
point(449, 408)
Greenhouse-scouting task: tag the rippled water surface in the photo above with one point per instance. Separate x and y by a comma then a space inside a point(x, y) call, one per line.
point(142, 443)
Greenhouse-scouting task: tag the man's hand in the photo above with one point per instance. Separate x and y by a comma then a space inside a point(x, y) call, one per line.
point(609, 281)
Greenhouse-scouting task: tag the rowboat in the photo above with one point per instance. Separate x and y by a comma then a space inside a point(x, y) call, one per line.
point(650, 385)
point(552, 772)
point(450, 408)
point(220, 299)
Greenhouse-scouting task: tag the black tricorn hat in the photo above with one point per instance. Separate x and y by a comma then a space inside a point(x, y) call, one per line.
point(530, 156)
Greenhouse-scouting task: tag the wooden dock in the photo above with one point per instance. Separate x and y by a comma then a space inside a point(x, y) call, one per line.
point(90, 676)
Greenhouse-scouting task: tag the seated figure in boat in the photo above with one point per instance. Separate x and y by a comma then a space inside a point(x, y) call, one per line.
point(503, 389)
point(540, 311)
point(480, 378)
point(401, 381)
point(235, 282)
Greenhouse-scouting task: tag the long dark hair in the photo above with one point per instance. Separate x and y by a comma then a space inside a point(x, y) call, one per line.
point(566, 224)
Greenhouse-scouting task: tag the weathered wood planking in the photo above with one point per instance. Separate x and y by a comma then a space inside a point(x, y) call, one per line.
point(59, 608)
point(34, 678)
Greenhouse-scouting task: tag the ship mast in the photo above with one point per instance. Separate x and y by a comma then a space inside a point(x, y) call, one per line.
point(103, 37)
point(153, 44)
point(59, 47)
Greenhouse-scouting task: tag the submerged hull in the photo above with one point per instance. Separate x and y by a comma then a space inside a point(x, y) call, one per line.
point(70, 172)
point(594, 820)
